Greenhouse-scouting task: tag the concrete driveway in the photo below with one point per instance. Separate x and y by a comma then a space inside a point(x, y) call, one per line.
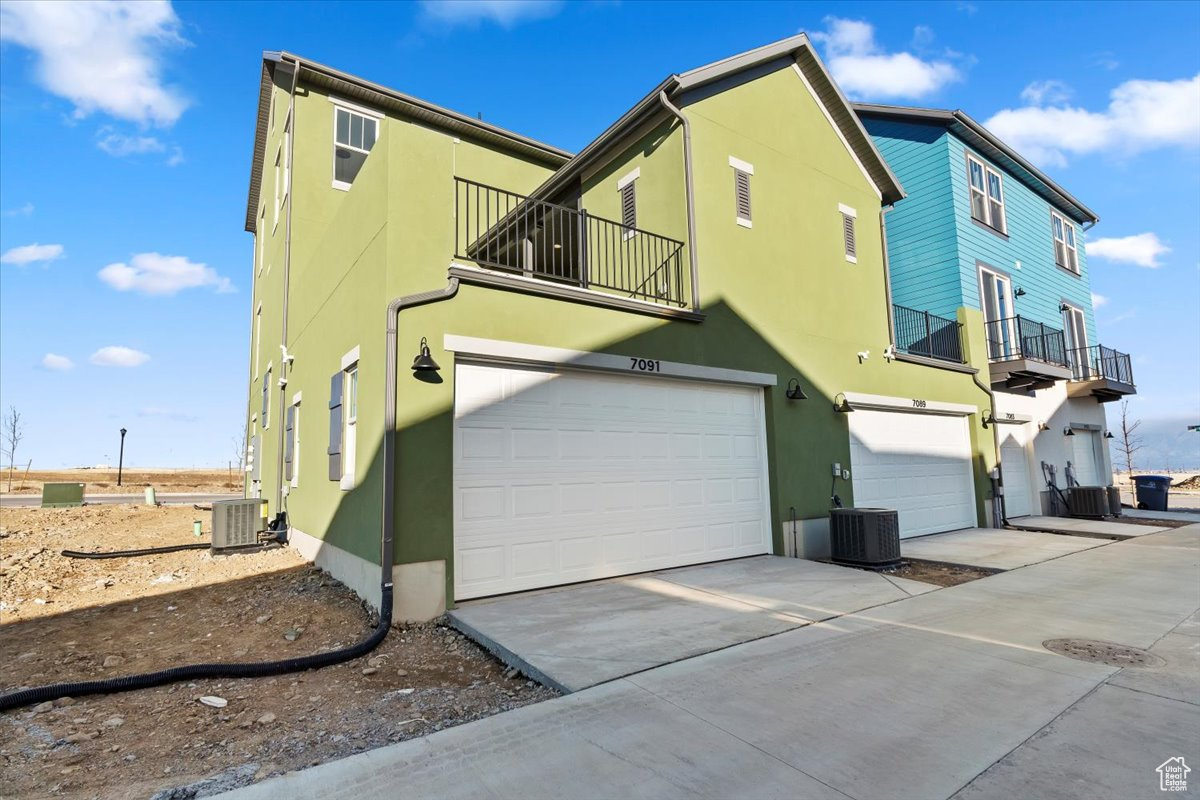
point(573, 637)
point(1085, 527)
point(946, 694)
point(996, 548)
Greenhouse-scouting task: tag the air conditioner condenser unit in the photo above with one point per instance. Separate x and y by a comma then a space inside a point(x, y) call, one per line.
point(237, 523)
point(865, 537)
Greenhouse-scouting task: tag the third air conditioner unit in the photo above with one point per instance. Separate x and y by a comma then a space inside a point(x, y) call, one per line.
point(865, 537)
point(1088, 501)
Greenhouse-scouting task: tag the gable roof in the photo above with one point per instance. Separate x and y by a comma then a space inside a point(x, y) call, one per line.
point(797, 48)
point(964, 127)
point(352, 87)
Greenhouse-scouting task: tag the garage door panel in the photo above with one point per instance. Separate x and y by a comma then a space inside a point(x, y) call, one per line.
point(918, 464)
point(603, 476)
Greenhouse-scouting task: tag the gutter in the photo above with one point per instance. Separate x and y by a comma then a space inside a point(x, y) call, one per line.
point(290, 136)
point(887, 274)
point(690, 189)
point(387, 533)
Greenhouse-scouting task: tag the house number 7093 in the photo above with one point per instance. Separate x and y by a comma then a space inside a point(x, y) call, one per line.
point(645, 364)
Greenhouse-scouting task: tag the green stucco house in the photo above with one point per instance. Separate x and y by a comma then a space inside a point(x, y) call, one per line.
point(501, 366)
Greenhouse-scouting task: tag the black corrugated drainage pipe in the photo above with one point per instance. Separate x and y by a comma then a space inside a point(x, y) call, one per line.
point(39, 694)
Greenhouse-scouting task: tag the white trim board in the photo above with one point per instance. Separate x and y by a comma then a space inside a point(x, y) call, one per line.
point(913, 405)
point(350, 358)
point(605, 362)
point(629, 178)
point(744, 166)
point(1011, 418)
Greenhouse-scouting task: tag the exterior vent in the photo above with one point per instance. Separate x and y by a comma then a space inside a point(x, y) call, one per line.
point(236, 523)
point(1088, 501)
point(865, 537)
point(1114, 501)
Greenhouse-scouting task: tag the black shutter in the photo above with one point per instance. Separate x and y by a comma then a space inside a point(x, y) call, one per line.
point(289, 443)
point(335, 426)
point(741, 187)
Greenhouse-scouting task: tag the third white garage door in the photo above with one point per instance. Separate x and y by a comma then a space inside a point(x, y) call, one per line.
point(573, 476)
point(918, 464)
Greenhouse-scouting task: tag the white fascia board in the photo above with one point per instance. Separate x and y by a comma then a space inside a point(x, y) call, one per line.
point(744, 166)
point(912, 405)
point(604, 362)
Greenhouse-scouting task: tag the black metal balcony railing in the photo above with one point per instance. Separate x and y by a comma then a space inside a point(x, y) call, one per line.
point(508, 232)
point(923, 334)
point(1017, 337)
point(1098, 361)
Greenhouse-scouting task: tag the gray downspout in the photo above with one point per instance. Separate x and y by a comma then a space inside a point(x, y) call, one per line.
point(691, 196)
point(887, 273)
point(392, 368)
point(999, 512)
point(290, 135)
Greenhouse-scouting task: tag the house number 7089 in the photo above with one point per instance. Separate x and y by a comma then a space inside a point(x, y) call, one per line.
point(645, 364)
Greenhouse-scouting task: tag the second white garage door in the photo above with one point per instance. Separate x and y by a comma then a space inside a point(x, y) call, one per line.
point(573, 476)
point(918, 464)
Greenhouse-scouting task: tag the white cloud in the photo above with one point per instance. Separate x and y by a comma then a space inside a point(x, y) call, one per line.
point(863, 70)
point(23, 210)
point(117, 356)
point(1142, 249)
point(119, 145)
point(1046, 93)
point(56, 362)
point(1098, 300)
point(505, 13)
point(167, 413)
point(176, 157)
point(1141, 115)
point(154, 273)
point(31, 254)
point(101, 56)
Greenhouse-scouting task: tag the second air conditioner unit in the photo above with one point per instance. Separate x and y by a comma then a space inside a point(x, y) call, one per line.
point(1114, 501)
point(1088, 501)
point(865, 537)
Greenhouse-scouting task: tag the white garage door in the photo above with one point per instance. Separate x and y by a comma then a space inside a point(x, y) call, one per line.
point(564, 477)
point(918, 464)
point(1018, 496)
point(1083, 448)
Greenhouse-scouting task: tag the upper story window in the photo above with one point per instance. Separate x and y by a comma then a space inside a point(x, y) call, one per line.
point(627, 187)
point(1066, 254)
point(987, 194)
point(354, 134)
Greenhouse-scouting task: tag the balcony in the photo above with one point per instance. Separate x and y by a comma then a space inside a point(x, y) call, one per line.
point(920, 333)
point(1100, 372)
point(1025, 355)
point(547, 247)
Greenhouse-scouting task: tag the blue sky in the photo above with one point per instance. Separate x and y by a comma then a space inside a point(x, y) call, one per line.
point(126, 132)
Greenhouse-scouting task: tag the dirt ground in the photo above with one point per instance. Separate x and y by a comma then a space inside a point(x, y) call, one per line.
point(133, 481)
point(63, 619)
point(938, 573)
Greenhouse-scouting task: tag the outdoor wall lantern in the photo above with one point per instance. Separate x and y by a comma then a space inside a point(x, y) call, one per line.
point(841, 404)
point(1042, 426)
point(424, 361)
point(1063, 307)
point(1068, 431)
point(1019, 292)
point(988, 418)
point(1108, 434)
point(793, 390)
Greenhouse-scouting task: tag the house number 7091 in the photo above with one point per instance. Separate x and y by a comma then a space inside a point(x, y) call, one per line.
point(645, 364)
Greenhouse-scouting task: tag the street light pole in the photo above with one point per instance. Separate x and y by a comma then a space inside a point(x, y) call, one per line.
point(121, 457)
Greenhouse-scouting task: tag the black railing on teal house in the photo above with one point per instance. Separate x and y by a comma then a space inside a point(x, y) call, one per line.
point(507, 232)
point(1098, 361)
point(920, 333)
point(1016, 337)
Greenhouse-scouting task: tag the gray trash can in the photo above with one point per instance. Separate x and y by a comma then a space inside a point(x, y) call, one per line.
point(1152, 491)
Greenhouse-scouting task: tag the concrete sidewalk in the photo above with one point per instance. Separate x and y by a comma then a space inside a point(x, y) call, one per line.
point(996, 548)
point(1085, 527)
point(916, 699)
point(572, 637)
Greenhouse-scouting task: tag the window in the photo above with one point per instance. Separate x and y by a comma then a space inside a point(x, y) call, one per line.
point(266, 399)
point(999, 321)
point(626, 187)
point(291, 450)
point(741, 190)
point(987, 194)
point(343, 421)
point(354, 135)
point(260, 234)
point(278, 183)
point(849, 237)
point(1065, 252)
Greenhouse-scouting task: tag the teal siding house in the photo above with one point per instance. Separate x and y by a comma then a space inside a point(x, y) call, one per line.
point(982, 228)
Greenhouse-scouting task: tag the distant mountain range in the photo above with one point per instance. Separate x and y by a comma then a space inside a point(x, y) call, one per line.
point(1167, 444)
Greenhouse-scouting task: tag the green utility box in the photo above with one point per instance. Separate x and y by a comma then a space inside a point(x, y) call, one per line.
point(62, 495)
